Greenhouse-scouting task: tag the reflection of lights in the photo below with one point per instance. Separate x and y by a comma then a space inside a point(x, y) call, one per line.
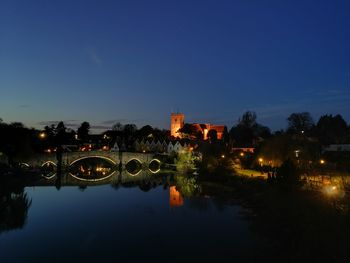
point(91, 179)
point(48, 163)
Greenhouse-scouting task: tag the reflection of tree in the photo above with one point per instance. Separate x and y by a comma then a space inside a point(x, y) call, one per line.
point(187, 185)
point(14, 207)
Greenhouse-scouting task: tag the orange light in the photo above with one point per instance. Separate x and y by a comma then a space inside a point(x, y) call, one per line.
point(322, 161)
point(241, 154)
point(42, 135)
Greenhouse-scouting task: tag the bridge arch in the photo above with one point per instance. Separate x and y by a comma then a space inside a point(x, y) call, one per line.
point(138, 162)
point(152, 161)
point(48, 162)
point(93, 156)
point(92, 179)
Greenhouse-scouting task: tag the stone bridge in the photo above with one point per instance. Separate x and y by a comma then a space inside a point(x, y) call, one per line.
point(69, 158)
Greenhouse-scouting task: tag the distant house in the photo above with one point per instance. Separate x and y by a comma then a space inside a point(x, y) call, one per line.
point(178, 147)
point(170, 148)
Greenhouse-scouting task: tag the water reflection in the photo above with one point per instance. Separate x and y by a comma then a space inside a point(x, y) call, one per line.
point(175, 197)
point(49, 169)
point(187, 185)
point(133, 167)
point(14, 205)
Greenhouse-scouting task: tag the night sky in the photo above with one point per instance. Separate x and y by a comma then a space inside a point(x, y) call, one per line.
point(137, 61)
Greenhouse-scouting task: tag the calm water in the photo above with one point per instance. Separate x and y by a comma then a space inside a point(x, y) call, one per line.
point(109, 224)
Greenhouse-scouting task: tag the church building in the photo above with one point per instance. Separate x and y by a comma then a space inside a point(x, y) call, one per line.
point(177, 121)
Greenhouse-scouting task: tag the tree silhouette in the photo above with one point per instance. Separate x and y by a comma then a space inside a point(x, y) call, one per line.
point(331, 129)
point(300, 122)
point(83, 131)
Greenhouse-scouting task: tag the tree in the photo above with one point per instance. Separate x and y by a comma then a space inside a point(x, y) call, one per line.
point(60, 133)
point(185, 162)
point(130, 129)
point(212, 135)
point(287, 173)
point(248, 119)
point(117, 127)
point(331, 129)
point(300, 122)
point(145, 131)
point(83, 131)
point(190, 131)
point(248, 131)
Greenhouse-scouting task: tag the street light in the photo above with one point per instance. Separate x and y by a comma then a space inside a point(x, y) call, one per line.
point(42, 135)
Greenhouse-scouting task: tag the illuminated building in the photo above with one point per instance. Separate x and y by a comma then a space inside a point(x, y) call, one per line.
point(177, 122)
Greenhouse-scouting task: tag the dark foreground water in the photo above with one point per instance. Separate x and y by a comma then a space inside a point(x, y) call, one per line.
point(106, 224)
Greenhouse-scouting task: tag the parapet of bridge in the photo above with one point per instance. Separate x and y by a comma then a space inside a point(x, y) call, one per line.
point(117, 158)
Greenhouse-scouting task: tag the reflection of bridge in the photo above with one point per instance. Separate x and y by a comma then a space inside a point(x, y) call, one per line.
point(116, 158)
point(122, 178)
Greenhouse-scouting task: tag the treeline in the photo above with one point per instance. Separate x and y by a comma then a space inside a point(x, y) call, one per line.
point(18, 141)
point(303, 141)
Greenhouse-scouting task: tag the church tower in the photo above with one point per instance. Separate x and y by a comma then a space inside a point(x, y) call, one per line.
point(177, 122)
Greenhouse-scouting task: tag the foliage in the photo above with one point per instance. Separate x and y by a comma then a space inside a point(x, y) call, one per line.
point(300, 122)
point(185, 162)
point(190, 131)
point(117, 127)
point(14, 205)
point(248, 132)
point(187, 185)
point(215, 159)
point(332, 129)
point(83, 131)
point(288, 173)
point(212, 135)
point(286, 146)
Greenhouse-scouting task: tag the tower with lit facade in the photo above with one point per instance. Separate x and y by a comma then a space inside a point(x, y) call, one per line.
point(177, 122)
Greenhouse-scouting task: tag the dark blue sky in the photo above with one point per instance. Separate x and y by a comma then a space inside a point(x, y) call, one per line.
point(136, 61)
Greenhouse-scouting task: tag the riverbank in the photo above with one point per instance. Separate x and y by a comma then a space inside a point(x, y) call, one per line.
point(301, 225)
